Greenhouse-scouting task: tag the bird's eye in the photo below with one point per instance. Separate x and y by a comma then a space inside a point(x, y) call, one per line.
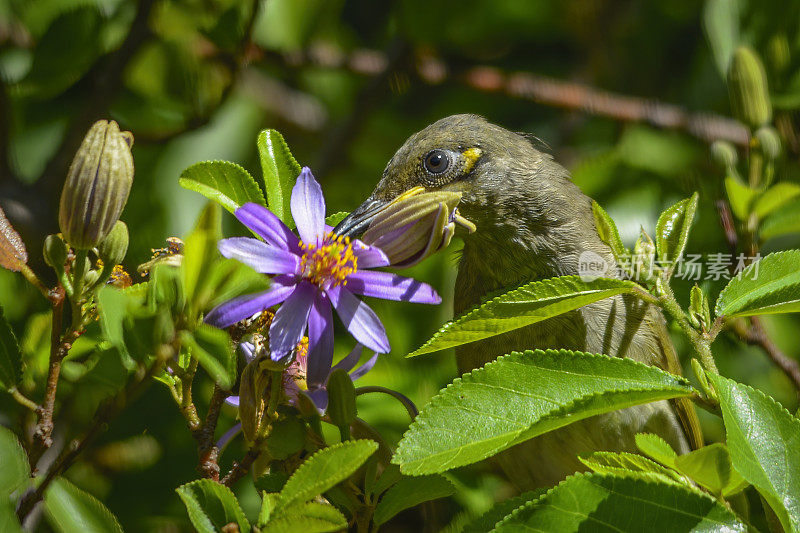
point(436, 161)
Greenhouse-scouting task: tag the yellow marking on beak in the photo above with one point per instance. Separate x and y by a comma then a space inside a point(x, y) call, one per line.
point(408, 194)
point(471, 156)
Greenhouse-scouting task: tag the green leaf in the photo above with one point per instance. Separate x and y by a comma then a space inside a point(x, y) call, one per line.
point(271, 482)
point(230, 278)
point(522, 395)
point(764, 443)
point(341, 401)
point(288, 436)
point(211, 506)
point(112, 310)
point(335, 218)
point(71, 510)
point(488, 520)
point(411, 491)
point(325, 469)
point(656, 448)
point(775, 197)
point(710, 466)
point(226, 183)
point(309, 517)
point(200, 255)
point(672, 229)
point(280, 171)
point(526, 305)
point(8, 517)
point(721, 25)
point(601, 502)
point(212, 348)
point(770, 285)
point(15, 471)
point(10, 357)
point(783, 221)
point(621, 463)
point(607, 230)
point(740, 197)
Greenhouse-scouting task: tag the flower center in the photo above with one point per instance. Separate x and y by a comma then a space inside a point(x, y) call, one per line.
point(328, 264)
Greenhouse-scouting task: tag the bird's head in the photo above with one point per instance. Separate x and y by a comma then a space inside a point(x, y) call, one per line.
point(503, 179)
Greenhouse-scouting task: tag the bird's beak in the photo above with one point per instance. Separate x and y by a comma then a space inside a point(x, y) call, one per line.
point(357, 222)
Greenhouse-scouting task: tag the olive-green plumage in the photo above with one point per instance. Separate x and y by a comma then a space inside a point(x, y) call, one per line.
point(533, 223)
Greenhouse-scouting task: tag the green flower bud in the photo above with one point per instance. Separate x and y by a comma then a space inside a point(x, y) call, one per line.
point(747, 85)
point(113, 248)
point(97, 185)
point(724, 154)
point(699, 315)
point(769, 141)
point(55, 252)
point(778, 53)
point(341, 401)
point(644, 253)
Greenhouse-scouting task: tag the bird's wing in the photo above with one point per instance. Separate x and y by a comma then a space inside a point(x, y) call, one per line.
point(684, 407)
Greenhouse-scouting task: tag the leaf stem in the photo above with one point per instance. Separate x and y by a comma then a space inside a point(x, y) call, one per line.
point(23, 400)
point(701, 345)
point(34, 280)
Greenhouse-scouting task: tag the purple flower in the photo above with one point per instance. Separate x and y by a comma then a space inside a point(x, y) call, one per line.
point(311, 274)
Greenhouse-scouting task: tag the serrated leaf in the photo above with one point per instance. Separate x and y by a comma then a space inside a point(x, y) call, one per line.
point(740, 196)
point(620, 463)
point(213, 350)
point(775, 197)
point(12, 249)
point(784, 221)
point(522, 395)
point(721, 25)
point(71, 510)
point(770, 285)
point(325, 469)
point(672, 229)
point(710, 466)
point(224, 182)
point(280, 170)
point(601, 502)
point(309, 517)
point(607, 230)
point(764, 442)
point(523, 306)
point(656, 448)
point(411, 491)
point(10, 357)
point(15, 471)
point(335, 218)
point(211, 506)
point(488, 520)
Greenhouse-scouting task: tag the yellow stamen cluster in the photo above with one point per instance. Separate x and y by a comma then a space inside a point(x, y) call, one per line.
point(330, 263)
point(119, 278)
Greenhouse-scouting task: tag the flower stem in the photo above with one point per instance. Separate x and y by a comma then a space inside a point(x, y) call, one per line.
point(23, 400)
point(34, 280)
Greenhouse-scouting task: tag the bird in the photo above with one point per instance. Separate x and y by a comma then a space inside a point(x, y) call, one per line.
point(533, 223)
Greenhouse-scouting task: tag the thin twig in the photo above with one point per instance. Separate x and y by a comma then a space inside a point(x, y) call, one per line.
point(207, 450)
point(756, 335)
point(240, 468)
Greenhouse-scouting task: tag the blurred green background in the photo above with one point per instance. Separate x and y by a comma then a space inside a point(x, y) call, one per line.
point(346, 81)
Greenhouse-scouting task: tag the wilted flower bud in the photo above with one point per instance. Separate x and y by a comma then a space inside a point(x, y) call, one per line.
point(113, 248)
point(97, 186)
point(416, 225)
point(769, 141)
point(724, 154)
point(55, 252)
point(747, 84)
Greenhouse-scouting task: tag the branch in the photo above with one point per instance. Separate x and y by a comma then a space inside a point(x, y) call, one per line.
point(206, 448)
point(240, 468)
point(756, 335)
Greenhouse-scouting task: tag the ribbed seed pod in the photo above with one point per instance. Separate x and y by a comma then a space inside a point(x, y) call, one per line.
point(97, 186)
point(114, 246)
point(747, 84)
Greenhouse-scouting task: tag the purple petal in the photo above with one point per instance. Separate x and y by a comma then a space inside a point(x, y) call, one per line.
point(391, 287)
point(319, 397)
point(350, 361)
point(360, 320)
point(268, 226)
point(290, 320)
point(363, 369)
point(228, 436)
point(248, 350)
point(308, 207)
point(369, 256)
point(246, 306)
point(232, 400)
point(260, 256)
point(320, 341)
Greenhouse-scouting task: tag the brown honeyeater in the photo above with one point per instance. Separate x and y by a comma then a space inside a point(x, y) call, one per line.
point(533, 223)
